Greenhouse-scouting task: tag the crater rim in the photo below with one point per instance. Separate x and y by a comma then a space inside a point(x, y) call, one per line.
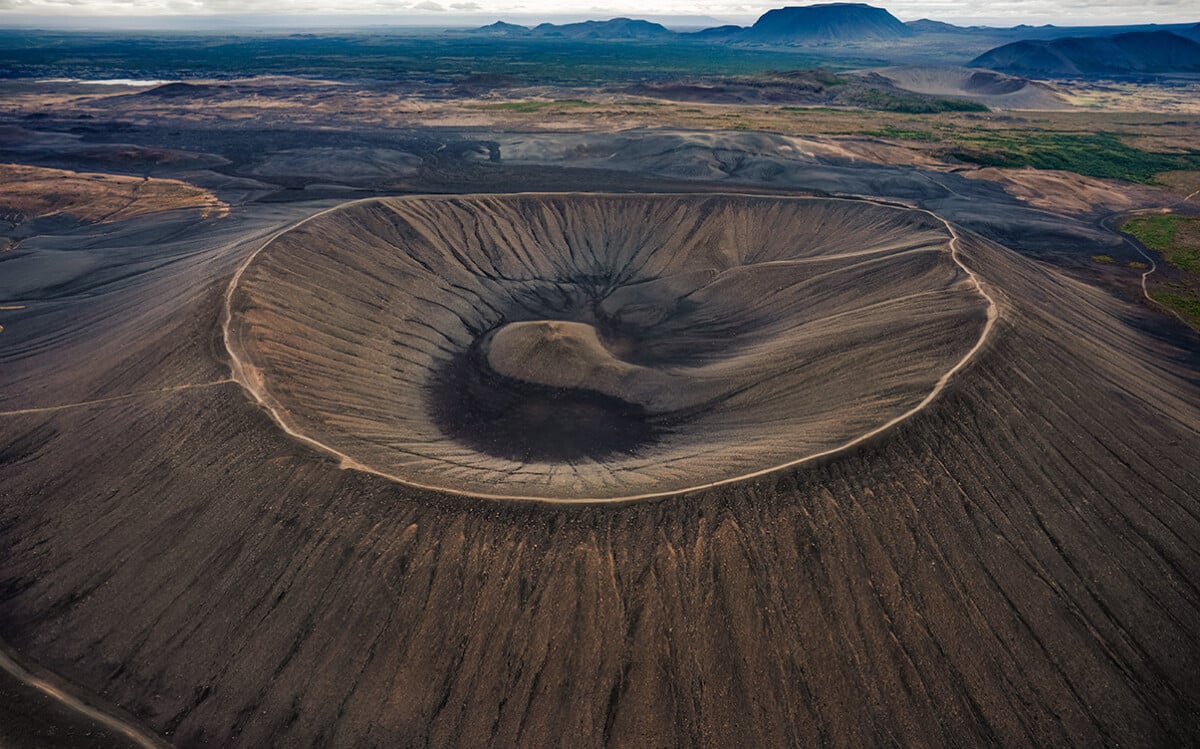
point(250, 377)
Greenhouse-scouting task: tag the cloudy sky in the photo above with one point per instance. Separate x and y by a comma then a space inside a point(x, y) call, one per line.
point(1006, 12)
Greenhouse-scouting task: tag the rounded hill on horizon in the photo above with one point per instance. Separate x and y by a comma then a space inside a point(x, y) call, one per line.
point(1121, 54)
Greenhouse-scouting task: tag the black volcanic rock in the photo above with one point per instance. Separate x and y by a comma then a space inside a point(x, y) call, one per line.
point(1121, 54)
point(832, 22)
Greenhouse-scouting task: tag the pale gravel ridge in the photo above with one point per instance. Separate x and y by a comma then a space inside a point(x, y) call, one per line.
point(135, 734)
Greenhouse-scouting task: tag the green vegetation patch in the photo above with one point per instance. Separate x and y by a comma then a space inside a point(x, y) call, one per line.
point(378, 55)
point(901, 133)
point(1102, 154)
point(1187, 307)
point(1156, 232)
point(1105, 259)
point(820, 110)
point(1176, 237)
point(529, 107)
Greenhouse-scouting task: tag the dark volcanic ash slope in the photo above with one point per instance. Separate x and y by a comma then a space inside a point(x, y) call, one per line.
point(995, 90)
point(1015, 564)
point(1121, 54)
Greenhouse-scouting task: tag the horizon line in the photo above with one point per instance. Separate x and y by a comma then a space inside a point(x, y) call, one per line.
point(458, 19)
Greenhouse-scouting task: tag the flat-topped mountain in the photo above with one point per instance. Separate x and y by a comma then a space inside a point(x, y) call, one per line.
point(831, 22)
point(1120, 54)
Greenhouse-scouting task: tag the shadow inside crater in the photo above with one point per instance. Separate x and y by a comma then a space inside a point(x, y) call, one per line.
point(531, 423)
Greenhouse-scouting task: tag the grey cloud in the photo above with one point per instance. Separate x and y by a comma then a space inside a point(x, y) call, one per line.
point(995, 12)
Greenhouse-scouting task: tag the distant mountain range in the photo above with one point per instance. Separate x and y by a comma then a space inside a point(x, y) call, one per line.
point(1050, 31)
point(1120, 54)
point(1038, 50)
point(830, 22)
point(616, 28)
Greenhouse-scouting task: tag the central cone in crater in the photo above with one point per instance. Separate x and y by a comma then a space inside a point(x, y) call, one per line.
point(562, 354)
point(595, 347)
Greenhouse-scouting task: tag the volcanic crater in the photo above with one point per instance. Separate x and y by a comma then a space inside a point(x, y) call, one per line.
point(596, 347)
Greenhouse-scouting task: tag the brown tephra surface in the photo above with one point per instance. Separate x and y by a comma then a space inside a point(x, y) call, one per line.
point(29, 192)
point(1016, 564)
